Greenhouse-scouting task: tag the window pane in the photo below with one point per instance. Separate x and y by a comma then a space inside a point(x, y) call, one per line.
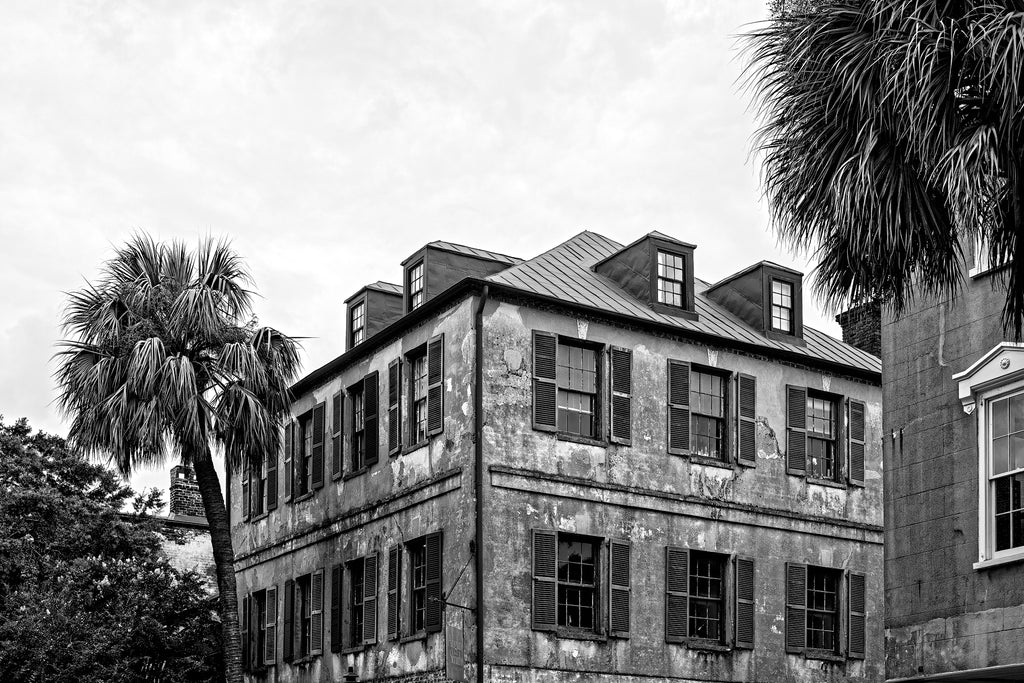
point(1003, 532)
point(1017, 451)
point(1000, 417)
point(1000, 455)
point(1016, 409)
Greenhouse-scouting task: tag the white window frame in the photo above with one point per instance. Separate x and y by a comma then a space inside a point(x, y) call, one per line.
point(982, 266)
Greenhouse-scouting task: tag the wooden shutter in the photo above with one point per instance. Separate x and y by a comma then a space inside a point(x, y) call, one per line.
point(855, 447)
point(857, 608)
point(746, 390)
point(289, 442)
point(246, 617)
point(271, 481)
point(677, 583)
point(319, 432)
point(316, 612)
point(255, 658)
point(336, 641)
point(796, 607)
point(622, 395)
point(796, 430)
point(370, 599)
point(435, 599)
point(678, 407)
point(297, 631)
point(545, 388)
point(370, 401)
point(618, 587)
point(394, 591)
point(743, 570)
point(545, 579)
point(288, 640)
point(270, 649)
point(246, 476)
point(435, 385)
point(394, 402)
point(336, 434)
point(298, 443)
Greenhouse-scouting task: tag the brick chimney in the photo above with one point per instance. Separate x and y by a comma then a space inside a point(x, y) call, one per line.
point(862, 327)
point(185, 498)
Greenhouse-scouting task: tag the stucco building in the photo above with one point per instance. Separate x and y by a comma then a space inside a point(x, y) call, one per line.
point(588, 465)
point(954, 441)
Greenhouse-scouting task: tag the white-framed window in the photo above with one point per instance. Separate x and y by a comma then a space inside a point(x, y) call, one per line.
point(983, 265)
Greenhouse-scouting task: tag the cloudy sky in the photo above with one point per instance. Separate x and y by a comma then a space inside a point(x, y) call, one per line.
point(329, 140)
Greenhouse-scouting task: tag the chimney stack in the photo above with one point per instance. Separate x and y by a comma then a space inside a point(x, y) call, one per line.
point(185, 498)
point(862, 327)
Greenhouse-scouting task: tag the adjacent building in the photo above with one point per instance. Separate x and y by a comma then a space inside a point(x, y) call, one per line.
point(587, 465)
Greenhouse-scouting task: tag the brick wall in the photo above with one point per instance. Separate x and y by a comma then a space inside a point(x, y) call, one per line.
point(862, 327)
point(185, 498)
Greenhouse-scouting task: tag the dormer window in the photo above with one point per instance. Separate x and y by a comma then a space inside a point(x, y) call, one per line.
point(671, 279)
point(782, 306)
point(415, 286)
point(358, 322)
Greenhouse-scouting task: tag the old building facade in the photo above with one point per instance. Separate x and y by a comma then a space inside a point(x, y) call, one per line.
point(589, 465)
point(954, 397)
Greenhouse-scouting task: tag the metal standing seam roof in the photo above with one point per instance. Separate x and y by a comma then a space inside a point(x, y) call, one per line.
point(389, 287)
point(564, 272)
point(473, 251)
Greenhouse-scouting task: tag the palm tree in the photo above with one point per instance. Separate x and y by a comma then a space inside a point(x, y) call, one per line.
point(166, 359)
point(893, 134)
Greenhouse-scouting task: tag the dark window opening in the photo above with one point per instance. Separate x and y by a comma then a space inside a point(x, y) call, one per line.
point(821, 438)
point(577, 582)
point(707, 596)
point(304, 463)
point(1006, 454)
point(707, 410)
point(671, 279)
point(418, 582)
point(822, 609)
point(418, 397)
point(577, 390)
point(355, 620)
point(358, 420)
point(415, 285)
point(259, 614)
point(358, 323)
point(782, 306)
point(304, 601)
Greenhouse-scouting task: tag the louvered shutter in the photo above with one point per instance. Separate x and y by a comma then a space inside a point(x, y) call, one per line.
point(545, 567)
point(857, 608)
point(678, 407)
point(394, 591)
point(435, 385)
point(336, 434)
point(746, 451)
point(796, 430)
point(622, 395)
point(246, 503)
point(255, 656)
point(244, 625)
point(394, 413)
point(316, 613)
point(435, 601)
point(271, 481)
point(288, 640)
point(299, 616)
point(677, 579)
point(545, 388)
point(744, 610)
point(289, 439)
point(619, 596)
point(319, 433)
point(856, 443)
point(298, 444)
point(796, 607)
point(270, 648)
point(370, 599)
point(371, 399)
point(336, 571)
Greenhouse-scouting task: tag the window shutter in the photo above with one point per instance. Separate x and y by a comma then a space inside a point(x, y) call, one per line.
point(545, 583)
point(288, 640)
point(619, 598)
point(394, 590)
point(297, 631)
point(856, 445)
point(796, 430)
point(435, 595)
point(255, 656)
point(319, 430)
point(246, 608)
point(394, 416)
point(271, 481)
point(316, 613)
point(270, 650)
point(545, 388)
point(857, 610)
point(435, 385)
point(796, 607)
point(621, 392)
point(746, 452)
point(678, 407)
point(246, 476)
point(336, 571)
point(336, 434)
point(297, 446)
point(289, 439)
point(744, 611)
point(677, 580)
point(370, 599)
point(370, 401)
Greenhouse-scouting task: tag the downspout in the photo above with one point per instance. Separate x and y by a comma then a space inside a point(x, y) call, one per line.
point(478, 482)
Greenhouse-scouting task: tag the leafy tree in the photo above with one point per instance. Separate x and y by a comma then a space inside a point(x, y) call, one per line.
point(165, 358)
point(893, 135)
point(85, 593)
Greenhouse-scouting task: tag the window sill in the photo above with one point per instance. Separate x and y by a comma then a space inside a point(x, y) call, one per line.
point(676, 311)
point(580, 634)
point(707, 645)
point(785, 337)
point(304, 496)
point(354, 649)
point(353, 475)
point(825, 482)
point(824, 656)
point(581, 439)
point(259, 518)
point(976, 272)
point(998, 561)
point(308, 659)
point(414, 446)
point(710, 462)
point(421, 636)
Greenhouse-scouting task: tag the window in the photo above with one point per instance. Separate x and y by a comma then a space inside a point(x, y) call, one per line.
point(418, 397)
point(816, 598)
point(258, 628)
point(424, 606)
point(1006, 454)
point(358, 427)
point(577, 582)
point(255, 488)
point(707, 596)
point(821, 438)
point(707, 410)
point(304, 601)
point(782, 306)
point(697, 585)
point(355, 601)
point(304, 460)
point(358, 322)
point(418, 587)
point(671, 278)
point(817, 444)
point(822, 609)
point(359, 603)
point(415, 286)
point(577, 390)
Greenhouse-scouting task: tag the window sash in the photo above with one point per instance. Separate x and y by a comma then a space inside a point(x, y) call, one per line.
point(355, 597)
point(416, 285)
point(822, 604)
point(576, 579)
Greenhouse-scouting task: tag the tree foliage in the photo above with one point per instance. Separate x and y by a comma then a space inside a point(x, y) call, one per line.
point(85, 592)
point(893, 135)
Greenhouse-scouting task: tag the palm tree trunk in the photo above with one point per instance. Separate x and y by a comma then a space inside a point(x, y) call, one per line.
point(223, 557)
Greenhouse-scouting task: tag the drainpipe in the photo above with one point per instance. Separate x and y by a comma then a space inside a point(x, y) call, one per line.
point(478, 417)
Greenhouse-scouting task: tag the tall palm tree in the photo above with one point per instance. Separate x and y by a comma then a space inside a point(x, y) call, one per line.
point(165, 359)
point(893, 134)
